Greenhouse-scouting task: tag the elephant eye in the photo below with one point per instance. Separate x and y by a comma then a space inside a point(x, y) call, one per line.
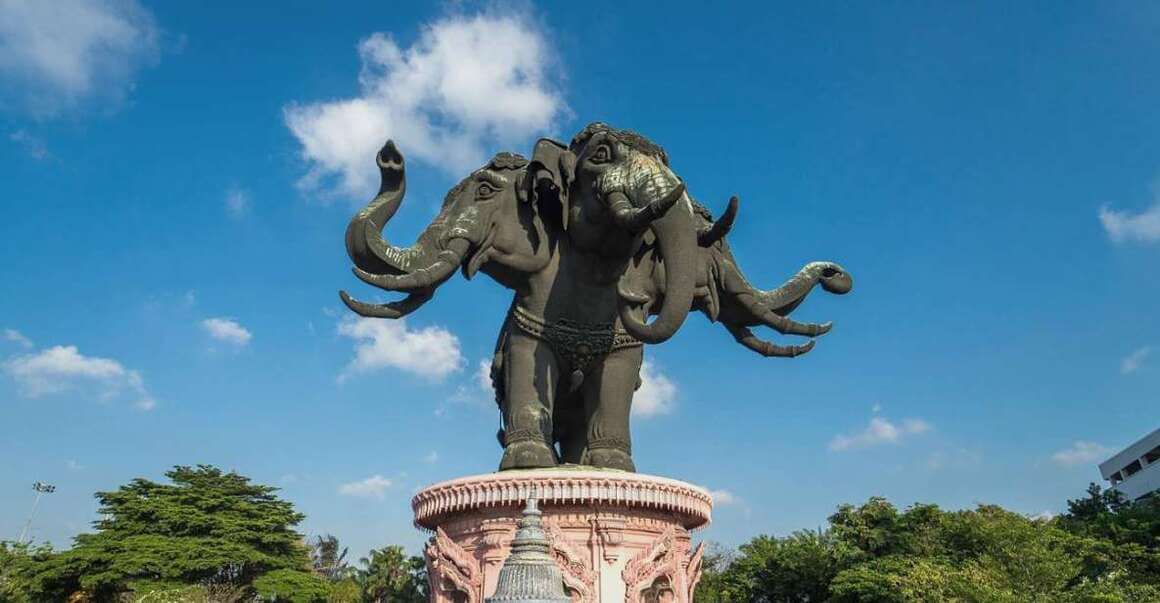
point(486, 190)
point(603, 154)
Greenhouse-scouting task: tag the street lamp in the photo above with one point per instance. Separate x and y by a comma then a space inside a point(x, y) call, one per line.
point(41, 489)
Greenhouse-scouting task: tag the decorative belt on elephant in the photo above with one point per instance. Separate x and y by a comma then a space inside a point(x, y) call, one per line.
point(578, 343)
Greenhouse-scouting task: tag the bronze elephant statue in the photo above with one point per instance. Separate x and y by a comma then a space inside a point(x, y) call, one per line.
point(593, 237)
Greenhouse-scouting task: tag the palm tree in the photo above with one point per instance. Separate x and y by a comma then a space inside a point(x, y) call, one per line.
point(328, 559)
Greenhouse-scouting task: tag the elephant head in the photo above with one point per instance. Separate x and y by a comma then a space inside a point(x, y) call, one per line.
point(616, 186)
point(485, 223)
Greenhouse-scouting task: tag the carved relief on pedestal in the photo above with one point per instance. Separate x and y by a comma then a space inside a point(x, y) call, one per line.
point(452, 570)
point(579, 577)
point(658, 572)
point(693, 571)
point(610, 528)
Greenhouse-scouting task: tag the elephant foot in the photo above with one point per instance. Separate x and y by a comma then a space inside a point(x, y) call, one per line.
point(528, 454)
point(610, 458)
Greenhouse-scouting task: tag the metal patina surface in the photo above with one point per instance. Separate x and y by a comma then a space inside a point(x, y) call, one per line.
point(594, 238)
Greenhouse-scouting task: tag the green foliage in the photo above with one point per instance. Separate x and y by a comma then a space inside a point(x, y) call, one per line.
point(328, 558)
point(206, 527)
point(292, 586)
point(1102, 550)
point(389, 575)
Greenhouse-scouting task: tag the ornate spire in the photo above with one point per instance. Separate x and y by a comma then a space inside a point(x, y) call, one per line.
point(529, 574)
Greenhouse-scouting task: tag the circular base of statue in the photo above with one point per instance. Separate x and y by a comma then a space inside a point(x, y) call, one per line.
point(615, 536)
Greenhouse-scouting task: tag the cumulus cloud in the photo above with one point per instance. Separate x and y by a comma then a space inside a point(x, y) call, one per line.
point(63, 368)
point(722, 498)
point(1125, 226)
point(237, 203)
point(466, 84)
point(227, 330)
point(483, 375)
point(1131, 363)
point(1081, 453)
point(656, 395)
point(56, 55)
point(430, 352)
point(18, 338)
point(374, 486)
point(879, 431)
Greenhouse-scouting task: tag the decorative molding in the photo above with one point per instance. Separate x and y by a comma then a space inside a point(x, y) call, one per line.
point(452, 569)
point(579, 576)
point(691, 505)
point(661, 559)
point(693, 571)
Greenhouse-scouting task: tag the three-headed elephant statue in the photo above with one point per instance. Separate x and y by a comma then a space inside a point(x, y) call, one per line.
point(594, 238)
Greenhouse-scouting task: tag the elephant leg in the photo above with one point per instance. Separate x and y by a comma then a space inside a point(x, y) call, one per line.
point(530, 378)
point(608, 400)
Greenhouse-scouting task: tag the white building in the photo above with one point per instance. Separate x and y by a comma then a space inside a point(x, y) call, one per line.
point(1135, 470)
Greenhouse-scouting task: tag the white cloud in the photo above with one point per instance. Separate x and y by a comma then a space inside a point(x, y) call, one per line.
point(723, 497)
point(430, 352)
point(1043, 516)
point(656, 395)
point(1124, 226)
point(34, 146)
point(54, 55)
point(18, 338)
point(374, 486)
point(1131, 363)
point(1082, 453)
point(466, 84)
point(432, 457)
point(483, 375)
point(73, 465)
point(237, 203)
point(879, 431)
point(227, 330)
point(62, 368)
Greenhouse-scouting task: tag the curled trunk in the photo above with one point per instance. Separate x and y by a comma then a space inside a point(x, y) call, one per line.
point(790, 294)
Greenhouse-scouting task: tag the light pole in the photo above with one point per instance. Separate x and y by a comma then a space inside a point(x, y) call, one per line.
point(41, 489)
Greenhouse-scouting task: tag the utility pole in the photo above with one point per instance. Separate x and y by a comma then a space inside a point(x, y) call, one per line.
point(41, 489)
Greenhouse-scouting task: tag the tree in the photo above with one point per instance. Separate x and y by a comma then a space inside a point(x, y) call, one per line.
point(388, 575)
point(291, 586)
point(1103, 550)
point(328, 558)
point(206, 527)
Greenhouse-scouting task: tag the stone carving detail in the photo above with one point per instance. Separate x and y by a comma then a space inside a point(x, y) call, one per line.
point(579, 576)
point(593, 237)
point(691, 505)
point(610, 528)
point(656, 568)
point(452, 569)
point(693, 571)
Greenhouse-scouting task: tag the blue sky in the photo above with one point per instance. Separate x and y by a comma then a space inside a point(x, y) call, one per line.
point(176, 180)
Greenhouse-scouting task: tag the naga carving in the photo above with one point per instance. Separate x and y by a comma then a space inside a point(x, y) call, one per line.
point(594, 238)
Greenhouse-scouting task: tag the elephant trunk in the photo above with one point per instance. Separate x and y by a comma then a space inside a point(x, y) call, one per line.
point(676, 237)
point(790, 294)
point(364, 240)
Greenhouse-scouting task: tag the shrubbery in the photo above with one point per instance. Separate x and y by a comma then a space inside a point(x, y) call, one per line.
point(1101, 550)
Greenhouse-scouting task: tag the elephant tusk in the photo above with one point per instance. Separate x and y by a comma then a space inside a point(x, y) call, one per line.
point(632, 297)
point(430, 277)
point(789, 326)
point(721, 227)
point(395, 309)
point(632, 218)
point(770, 350)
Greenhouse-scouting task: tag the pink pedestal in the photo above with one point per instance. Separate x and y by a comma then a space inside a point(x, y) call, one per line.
point(616, 536)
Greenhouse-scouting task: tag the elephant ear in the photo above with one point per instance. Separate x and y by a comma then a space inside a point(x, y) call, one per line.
point(551, 171)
